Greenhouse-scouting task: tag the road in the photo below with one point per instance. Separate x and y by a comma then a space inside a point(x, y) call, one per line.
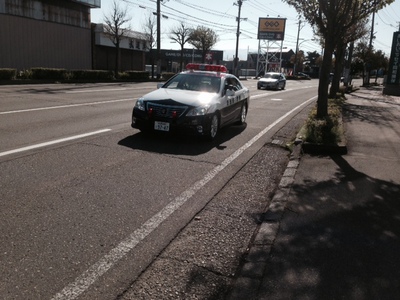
point(87, 202)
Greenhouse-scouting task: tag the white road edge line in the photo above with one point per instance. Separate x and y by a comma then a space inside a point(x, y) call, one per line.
point(63, 106)
point(52, 142)
point(86, 279)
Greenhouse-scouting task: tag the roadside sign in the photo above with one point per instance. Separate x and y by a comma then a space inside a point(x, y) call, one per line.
point(272, 29)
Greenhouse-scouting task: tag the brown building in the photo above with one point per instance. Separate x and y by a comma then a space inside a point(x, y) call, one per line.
point(46, 33)
point(59, 34)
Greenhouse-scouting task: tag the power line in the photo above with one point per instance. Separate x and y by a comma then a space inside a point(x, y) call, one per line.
point(206, 10)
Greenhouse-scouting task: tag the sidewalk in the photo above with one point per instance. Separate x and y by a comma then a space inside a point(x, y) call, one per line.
point(333, 228)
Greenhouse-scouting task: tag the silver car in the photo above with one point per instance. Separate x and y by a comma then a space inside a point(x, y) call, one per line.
point(272, 80)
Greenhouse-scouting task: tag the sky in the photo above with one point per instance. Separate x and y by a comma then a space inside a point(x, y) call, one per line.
point(221, 15)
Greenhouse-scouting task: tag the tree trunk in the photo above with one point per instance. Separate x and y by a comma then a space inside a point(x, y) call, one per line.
point(116, 69)
point(322, 102)
point(335, 85)
point(181, 60)
point(347, 75)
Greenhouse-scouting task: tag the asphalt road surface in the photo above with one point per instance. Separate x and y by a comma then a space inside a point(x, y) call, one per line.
point(88, 203)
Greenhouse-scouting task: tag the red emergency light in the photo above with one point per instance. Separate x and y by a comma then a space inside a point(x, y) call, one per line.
point(206, 67)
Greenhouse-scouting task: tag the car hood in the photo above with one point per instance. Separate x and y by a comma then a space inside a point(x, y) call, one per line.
point(191, 98)
point(268, 80)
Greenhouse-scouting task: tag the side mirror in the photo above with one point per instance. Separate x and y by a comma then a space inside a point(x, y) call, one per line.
point(159, 85)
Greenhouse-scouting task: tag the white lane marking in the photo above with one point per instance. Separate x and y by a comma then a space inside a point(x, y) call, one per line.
point(268, 94)
point(64, 106)
point(87, 278)
point(52, 142)
point(109, 90)
point(276, 99)
point(90, 91)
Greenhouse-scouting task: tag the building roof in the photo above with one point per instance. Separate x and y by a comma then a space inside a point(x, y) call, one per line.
point(90, 3)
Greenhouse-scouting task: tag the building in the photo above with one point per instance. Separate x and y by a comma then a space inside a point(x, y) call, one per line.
point(171, 59)
point(59, 34)
point(133, 50)
point(46, 33)
point(265, 62)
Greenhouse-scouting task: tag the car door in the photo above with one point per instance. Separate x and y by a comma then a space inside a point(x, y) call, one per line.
point(233, 102)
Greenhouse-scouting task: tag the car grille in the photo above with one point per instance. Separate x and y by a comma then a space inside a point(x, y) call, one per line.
point(166, 111)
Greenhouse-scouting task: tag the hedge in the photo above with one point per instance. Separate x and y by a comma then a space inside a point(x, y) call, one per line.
point(8, 74)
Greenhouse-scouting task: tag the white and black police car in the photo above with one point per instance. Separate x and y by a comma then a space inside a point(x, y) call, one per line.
point(198, 101)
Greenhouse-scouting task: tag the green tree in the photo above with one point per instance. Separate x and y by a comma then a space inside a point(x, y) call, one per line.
point(181, 35)
point(115, 31)
point(355, 32)
point(297, 60)
point(203, 39)
point(333, 20)
point(364, 55)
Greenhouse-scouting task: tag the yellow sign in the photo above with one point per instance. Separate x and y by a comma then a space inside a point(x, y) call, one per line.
point(271, 28)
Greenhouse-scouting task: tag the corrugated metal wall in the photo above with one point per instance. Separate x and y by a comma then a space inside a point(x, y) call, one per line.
point(26, 43)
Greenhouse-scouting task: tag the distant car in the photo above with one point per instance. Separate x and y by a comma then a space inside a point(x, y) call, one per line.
point(272, 80)
point(198, 101)
point(301, 75)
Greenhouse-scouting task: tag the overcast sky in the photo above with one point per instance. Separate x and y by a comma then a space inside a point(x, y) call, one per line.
point(220, 15)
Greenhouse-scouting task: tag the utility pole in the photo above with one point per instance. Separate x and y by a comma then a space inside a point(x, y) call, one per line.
point(370, 46)
point(158, 55)
point(371, 38)
point(236, 59)
point(297, 49)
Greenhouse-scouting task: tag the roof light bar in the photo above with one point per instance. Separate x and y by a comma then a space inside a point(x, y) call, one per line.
point(206, 67)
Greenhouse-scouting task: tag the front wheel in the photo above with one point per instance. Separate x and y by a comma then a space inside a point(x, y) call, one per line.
point(214, 127)
point(243, 114)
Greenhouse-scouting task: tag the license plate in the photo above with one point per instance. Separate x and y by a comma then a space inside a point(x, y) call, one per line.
point(162, 126)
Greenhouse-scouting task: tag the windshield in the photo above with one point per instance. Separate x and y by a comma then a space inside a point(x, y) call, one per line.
point(273, 76)
point(195, 82)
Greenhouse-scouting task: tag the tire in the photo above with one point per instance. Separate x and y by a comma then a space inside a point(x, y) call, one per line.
point(243, 114)
point(283, 86)
point(214, 127)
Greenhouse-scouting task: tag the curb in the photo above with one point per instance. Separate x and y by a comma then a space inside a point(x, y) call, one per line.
point(249, 277)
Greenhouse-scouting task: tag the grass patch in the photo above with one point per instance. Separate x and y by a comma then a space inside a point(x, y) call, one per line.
point(327, 130)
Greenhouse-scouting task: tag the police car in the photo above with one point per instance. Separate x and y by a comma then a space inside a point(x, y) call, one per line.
point(198, 101)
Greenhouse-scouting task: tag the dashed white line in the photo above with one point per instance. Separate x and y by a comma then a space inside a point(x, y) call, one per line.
point(64, 106)
point(41, 145)
point(91, 275)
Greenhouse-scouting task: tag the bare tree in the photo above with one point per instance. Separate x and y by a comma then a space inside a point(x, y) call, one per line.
point(181, 35)
point(115, 31)
point(150, 30)
point(203, 38)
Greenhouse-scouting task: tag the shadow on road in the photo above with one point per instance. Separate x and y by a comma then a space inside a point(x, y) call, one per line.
point(180, 145)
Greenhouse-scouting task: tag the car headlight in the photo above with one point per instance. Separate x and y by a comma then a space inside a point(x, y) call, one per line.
point(140, 104)
point(199, 111)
